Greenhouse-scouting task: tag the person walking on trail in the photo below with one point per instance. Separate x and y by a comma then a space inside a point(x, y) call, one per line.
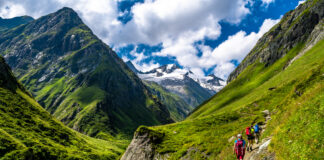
point(257, 133)
point(239, 147)
point(249, 131)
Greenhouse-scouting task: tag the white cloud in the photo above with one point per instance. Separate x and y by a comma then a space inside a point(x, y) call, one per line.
point(176, 24)
point(236, 47)
point(267, 2)
point(146, 66)
point(300, 2)
point(139, 63)
point(11, 10)
point(163, 21)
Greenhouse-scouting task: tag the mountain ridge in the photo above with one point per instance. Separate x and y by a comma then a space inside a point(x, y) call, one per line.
point(193, 89)
point(79, 79)
point(308, 16)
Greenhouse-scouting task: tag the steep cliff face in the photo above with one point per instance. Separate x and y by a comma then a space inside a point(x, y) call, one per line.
point(295, 27)
point(78, 78)
point(282, 89)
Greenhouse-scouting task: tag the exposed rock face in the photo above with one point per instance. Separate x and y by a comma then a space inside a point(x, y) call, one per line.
point(78, 78)
point(142, 145)
point(295, 27)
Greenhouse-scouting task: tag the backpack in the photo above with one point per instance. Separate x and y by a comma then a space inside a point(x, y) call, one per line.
point(239, 147)
point(256, 128)
point(247, 131)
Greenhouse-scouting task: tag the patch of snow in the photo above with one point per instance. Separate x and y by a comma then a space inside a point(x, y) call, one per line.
point(172, 72)
point(169, 66)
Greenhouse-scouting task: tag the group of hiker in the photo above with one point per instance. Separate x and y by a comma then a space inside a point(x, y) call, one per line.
point(253, 133)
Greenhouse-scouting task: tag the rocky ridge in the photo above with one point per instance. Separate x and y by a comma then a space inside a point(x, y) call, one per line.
point(296, 27)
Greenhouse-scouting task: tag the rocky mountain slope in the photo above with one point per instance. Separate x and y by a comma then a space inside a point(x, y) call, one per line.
point(296, 27)
point(177, 107)
point(179, 89)
point(191, 88)
point(287, 82)
point(27, 131)
point(6, 24)
point(79, 79)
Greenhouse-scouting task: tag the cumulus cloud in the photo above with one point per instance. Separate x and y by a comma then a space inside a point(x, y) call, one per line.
point(267, 2)
point(11, 10)
point(235, 47)
point(166, 20)
point(174, 24)
point(139, 62)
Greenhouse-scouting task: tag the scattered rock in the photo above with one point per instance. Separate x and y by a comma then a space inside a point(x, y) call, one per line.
point(266, 112)
point(272, 88)
point(264, 146)
point(231, 139)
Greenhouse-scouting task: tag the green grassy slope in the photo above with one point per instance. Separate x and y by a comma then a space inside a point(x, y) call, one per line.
point(296, 106)
point(78, 78)
point(27, 131)
point(292, 92)
point(177, 107)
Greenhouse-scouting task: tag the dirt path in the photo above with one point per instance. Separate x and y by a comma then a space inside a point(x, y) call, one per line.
point(258, 149)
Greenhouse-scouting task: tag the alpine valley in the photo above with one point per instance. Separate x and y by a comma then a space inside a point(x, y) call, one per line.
point(65, 94)
point(179, 89)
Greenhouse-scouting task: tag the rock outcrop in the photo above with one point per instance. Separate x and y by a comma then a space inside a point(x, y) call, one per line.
point(143, 145)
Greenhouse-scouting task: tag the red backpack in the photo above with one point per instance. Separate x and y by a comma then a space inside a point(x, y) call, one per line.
point(247, 131)
point(239, 147)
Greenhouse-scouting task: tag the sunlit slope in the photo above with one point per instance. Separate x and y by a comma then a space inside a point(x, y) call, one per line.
point(27, 131)
point(284, 74)
point(78, 78)
point(296, 106)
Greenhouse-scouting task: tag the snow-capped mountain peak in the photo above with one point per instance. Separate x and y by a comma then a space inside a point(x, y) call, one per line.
point(172, 72)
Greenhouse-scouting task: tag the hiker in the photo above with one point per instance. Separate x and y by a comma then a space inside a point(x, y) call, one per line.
point(257, 133)
point(239, 147)
point(249, 131)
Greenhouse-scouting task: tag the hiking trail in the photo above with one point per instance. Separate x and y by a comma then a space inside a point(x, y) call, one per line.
point(261, 147)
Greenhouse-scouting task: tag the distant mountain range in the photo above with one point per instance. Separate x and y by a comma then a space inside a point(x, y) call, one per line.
point(191, 88)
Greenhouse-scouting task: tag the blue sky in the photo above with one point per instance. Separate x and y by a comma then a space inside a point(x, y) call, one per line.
point(250, 23)
point(205, 36)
